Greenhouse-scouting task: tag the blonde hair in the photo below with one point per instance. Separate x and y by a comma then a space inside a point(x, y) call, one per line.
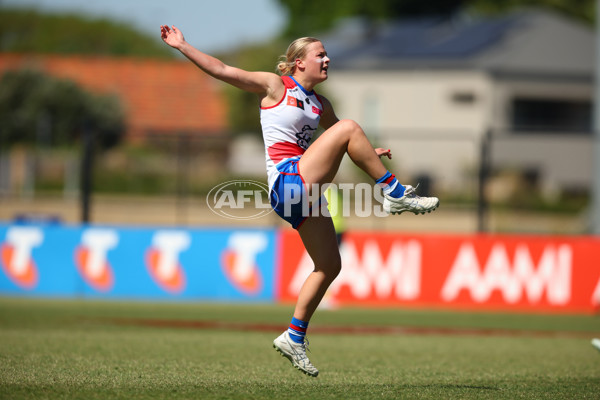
point(296, 50)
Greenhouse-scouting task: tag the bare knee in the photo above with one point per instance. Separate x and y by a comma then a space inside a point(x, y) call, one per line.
point(331, 266)
point(346, 129)
point(350, 127)
point(336, 268)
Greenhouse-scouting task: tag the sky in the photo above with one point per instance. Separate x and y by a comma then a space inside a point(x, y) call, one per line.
point(210, 25)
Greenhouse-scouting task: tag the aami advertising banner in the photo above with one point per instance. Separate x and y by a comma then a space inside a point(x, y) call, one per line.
point(548, 274)
point(495, 272)
point(202, 264)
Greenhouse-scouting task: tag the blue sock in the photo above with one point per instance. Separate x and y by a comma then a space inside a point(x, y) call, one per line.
point(390, 185)
point(297, 330)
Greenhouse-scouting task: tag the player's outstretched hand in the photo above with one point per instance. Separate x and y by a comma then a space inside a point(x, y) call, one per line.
point(171, 36)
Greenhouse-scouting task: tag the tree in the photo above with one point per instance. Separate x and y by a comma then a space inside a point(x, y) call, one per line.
point(582, 10)
point(37, 108)
point(311, 17)
point(30, 31)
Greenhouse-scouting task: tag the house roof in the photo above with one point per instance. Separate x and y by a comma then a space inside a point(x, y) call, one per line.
point(158, 96)
point(526, 42)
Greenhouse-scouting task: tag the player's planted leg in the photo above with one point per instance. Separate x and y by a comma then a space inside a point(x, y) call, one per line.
point(296, 353)
point(318, 235)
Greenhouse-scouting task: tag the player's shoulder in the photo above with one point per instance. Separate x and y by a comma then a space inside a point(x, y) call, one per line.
point(274, 81)
point(324, 101)
point(288, 82)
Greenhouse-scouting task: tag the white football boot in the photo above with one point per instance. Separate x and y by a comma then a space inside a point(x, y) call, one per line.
point(410, 202)
point(296, 353)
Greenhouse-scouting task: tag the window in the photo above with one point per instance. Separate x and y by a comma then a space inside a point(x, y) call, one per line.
point(551, 115)
point(464, 98)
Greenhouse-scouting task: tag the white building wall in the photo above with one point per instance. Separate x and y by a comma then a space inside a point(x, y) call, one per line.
point(425, 117)
point(413, 100)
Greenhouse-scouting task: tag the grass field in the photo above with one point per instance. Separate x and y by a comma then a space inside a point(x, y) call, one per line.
point(59, 349)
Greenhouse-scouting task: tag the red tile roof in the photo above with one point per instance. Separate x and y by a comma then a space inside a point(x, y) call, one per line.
point(158, 96)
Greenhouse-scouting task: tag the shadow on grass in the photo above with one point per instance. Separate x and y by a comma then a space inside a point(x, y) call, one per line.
point(455, 386)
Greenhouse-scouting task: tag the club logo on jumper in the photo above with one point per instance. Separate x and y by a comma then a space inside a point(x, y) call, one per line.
point(304, 137)
point(91, 258)
point(162, 260)
point(294, 102)
point(16, 255)
point(238, 261)
point(240, 199)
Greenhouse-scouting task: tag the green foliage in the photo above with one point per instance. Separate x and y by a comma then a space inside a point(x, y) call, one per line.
point(37, 108)
point(311, 17)
point(582, 10)
point(30, 31)
point(314, 16)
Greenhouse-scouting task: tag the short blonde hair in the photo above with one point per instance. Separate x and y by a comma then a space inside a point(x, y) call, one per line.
point(296, 50)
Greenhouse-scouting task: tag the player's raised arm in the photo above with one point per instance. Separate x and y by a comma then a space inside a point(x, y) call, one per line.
point(264, 83)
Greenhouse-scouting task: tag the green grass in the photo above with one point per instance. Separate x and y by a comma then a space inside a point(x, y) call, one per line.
point(59, 349)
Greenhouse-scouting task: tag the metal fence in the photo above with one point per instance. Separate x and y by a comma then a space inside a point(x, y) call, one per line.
point(489, 178)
